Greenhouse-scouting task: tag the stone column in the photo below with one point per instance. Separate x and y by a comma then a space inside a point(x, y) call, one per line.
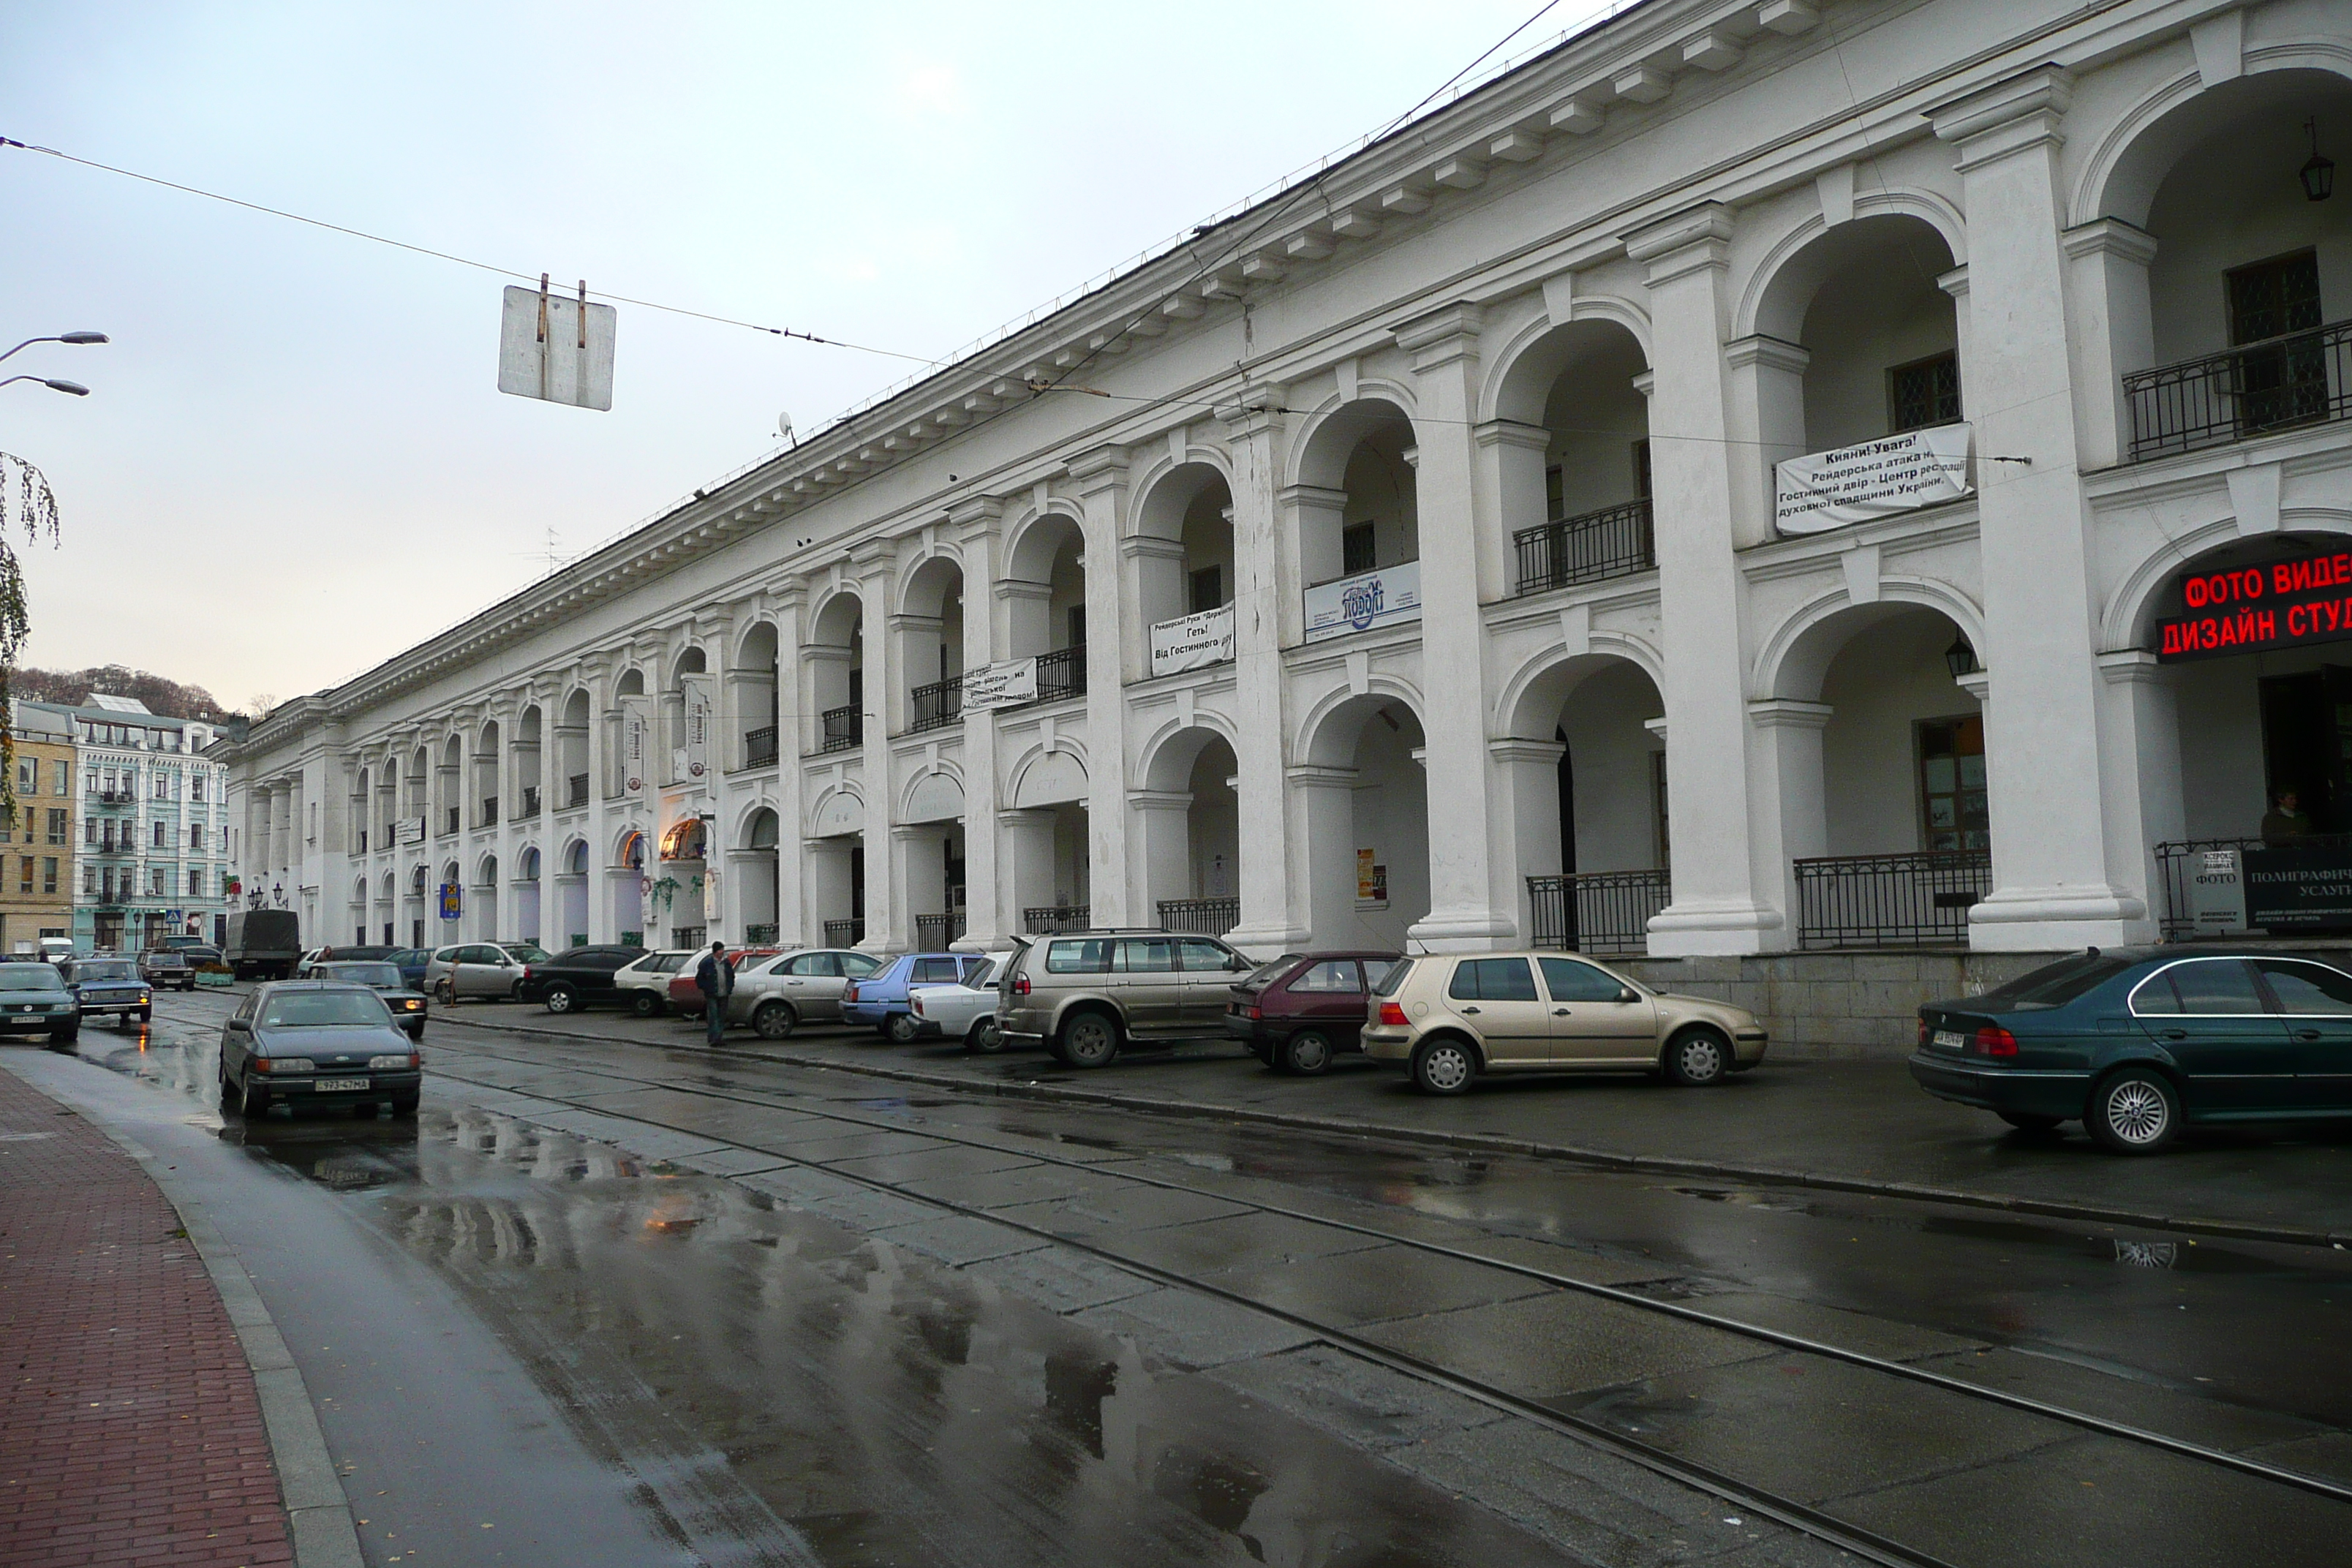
point(1270, 878)
point(1027, 869)
point(1791, 792)
point(596, 674)
point(2107, 261)
point(879, 685)
point(1162, 846)
point(1466, 909)
point(792, 805)
point(1509, 496)
point(1526, 775)
point(1765, 409)
point(1101, 479)
point(2055, 883)
point(1322, 811)
point(974, 525)
point(1722, 901)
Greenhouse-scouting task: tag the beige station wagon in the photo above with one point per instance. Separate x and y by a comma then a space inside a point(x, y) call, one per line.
point(1447, 1019)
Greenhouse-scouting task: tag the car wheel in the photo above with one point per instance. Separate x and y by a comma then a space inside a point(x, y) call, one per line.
point(445, 993)
point(645, 1004)
point(416, 1032)
point(2135, 1111)
point(1698, 1058)
point(983, 1038)
point(63, 1038)
point(1089, 1039)
point(1443, 1066)
point(1307, 1053)
point(773, 1021)
point(561, 999)
point(903, 1029)
point(253, 1102)
point(2026, 1121)
point(405, 1106)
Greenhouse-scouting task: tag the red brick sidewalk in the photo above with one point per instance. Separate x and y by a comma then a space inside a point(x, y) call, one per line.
point(129, 1431)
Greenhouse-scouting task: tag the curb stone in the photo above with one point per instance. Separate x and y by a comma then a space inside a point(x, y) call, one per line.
point(318, 1517)
point(1655, 1164)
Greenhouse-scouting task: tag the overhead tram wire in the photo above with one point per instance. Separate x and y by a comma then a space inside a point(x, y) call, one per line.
point(459, 260)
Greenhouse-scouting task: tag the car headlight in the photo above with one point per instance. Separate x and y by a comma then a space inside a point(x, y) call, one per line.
point(285, 1064)
point(394, 1063)
point(413, 1004)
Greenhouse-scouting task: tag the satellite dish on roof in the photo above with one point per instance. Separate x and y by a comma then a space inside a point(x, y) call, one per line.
point(784, 428)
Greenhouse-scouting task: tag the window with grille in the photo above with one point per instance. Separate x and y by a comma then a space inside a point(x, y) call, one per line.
point(1358, 552)
point(1924, 392)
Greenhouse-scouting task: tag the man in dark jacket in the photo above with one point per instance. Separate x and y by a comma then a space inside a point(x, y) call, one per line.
point(716, 979)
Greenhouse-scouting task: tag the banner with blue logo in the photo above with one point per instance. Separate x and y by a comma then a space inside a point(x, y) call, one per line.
point(1369, 599)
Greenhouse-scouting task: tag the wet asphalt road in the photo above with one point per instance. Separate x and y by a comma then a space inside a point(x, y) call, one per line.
point(531, 1341)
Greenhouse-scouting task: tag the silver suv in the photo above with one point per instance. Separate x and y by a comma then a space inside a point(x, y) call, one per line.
point(1084, 995)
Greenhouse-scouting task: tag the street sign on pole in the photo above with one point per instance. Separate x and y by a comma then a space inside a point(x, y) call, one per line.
point(452, 900)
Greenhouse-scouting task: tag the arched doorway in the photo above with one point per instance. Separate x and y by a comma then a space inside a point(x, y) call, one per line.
point(755, 872)
point(527, 896)
point(572, 893)
point(628, 898)
point(754, 698)
point(832, 877)
point(834, 662)
point(1360, 807)
point(1048, 850)
point(1191, 833)
point(1358, 519)
point(485, 898)
point(1587, 772)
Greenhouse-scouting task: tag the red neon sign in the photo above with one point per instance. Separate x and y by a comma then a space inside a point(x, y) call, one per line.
point(2248, 609)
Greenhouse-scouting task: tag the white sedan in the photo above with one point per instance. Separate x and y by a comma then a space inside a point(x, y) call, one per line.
point(966, 1011)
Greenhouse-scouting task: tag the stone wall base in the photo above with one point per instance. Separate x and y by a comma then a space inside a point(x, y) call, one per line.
point(1843, 1006)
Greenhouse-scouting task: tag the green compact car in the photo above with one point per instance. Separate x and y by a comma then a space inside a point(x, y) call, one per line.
point(34, 1001)
point(2137, 1042)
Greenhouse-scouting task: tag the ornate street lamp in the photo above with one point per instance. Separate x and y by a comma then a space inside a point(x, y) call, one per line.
point(1960, 658)
point(2319, 176)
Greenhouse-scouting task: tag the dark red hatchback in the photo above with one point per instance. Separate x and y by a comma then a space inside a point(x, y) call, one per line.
point(1299, 1012)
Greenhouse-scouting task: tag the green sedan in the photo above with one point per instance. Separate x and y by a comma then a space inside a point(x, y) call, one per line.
point(2135, 1043)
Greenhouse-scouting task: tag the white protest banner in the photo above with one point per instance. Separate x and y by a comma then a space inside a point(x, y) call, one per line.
point(637, 723)
point(1369, 599)
point(1193, 642)
point(1006, 685)
point(1822, 491)
point(697, 726)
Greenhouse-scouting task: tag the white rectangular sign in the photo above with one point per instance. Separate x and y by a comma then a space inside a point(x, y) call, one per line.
point(1193, 642)
point(1369, 599)
point(1822, 491)
point(546, 350)
point(1006, 685)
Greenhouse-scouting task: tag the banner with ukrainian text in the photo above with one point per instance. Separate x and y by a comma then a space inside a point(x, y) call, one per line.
point(1822, 491)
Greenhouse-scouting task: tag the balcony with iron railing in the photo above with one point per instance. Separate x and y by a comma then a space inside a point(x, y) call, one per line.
point(844, 933)
point(759, 747)
point(842, 727)
point(529, 803)
point(2256, 389)
point(1919, 899)
point(760, 935)
point(937, 705)
point(577, 793)
point(1605, 913)
point(1200, 917)
point(1054, 919)
point(1062, 673)
point(1614, 541)
point(933, 932)
point(489, 811)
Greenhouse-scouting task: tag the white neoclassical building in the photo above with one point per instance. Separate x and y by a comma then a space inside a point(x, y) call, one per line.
point(1415, 555)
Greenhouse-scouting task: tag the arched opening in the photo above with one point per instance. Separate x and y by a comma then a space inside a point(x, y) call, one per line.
point(1573, 439)
point(1190, 819)
point(929, 630)
point(1361, 808)
point(386, 907)
point(1885, 815)
point(572, 753)
point(755, 696)
point(629, 880)
point(449, 789)
point(527, 896)
point(1044, 595)
point(486, 802)
point(529, 781)
point(417, 797)
point(687, 706)
point(2238, 318)
point(572, 893)
point(1858, 339)
point(360, 911)
point(755, 872)
point(834, 868)
point(483, 898)
point(833, 659)
point(1359, 511)
point(1048, 849)
point(1183, 553)
point(1589, 786)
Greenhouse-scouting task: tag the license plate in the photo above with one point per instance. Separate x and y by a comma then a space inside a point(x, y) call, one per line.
point(1950, 1041)
point(329, 1085)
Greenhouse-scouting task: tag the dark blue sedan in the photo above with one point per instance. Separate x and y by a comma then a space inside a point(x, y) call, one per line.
point(2135, 1042)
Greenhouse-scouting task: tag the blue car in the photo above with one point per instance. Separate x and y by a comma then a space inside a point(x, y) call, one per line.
point(880, 998)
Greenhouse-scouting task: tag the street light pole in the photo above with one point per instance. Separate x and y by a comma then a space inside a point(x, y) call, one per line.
point(75, 338)
point(73, 388)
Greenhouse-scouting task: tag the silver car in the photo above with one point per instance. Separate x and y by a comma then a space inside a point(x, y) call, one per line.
point(1084, 995)
point(480, 969)
point(776, 995)
point(643, 987)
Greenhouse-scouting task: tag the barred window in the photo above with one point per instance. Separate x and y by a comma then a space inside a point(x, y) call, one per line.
point(1924, 392)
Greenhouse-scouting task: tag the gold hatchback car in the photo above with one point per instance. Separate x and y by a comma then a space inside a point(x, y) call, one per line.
point(1446, 1019)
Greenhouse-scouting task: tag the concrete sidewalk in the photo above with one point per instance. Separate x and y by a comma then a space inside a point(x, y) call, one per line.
point(131, 1430)
point(1855, 1125)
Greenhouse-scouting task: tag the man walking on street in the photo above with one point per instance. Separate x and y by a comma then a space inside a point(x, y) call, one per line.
point(716, 978)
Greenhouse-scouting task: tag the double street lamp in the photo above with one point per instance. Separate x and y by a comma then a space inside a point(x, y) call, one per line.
point(72, 388)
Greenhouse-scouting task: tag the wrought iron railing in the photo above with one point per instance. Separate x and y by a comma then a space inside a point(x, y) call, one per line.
point(1606, 913)
point(1615, 541)
point(2300, 378)
point(1890, 900)
point(758, 936)
point(529, 803)
point(938, 704)
point(579, 790)
point(452, 816)
point(844, 933)
point(489, 811)
point(933, 932)
point(844, 728)
point(1203, 917)
point(759, 747)
point(1062, 673)
point(1054, 919)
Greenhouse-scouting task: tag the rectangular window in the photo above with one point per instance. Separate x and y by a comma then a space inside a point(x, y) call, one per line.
point(195, 884)
point(155, 880)
point(25, 873)
point(160, 831)
point(63, 779)
point(60, 826)
point(2270, 298)
point(196, 789)
point(1555, 493)
point(1924, 393)
point(195, 835)
point(28, 776)
point(1208, 588)
point(8, 825)
point(48, 873)
point(1077, 624)
point(89, 879)
point(1952, 783)
point(90, 830)
point(1357, 549)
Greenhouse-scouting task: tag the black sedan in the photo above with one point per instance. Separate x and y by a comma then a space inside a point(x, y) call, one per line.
point(405, 1003)
point(35, 1001)
point(575, 978)
point(2134, 1042)
point(316, 1042)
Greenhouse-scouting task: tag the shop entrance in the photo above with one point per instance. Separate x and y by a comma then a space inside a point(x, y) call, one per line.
point(2307, 744)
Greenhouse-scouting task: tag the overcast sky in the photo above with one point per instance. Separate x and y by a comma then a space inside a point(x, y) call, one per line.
point(294, 462)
